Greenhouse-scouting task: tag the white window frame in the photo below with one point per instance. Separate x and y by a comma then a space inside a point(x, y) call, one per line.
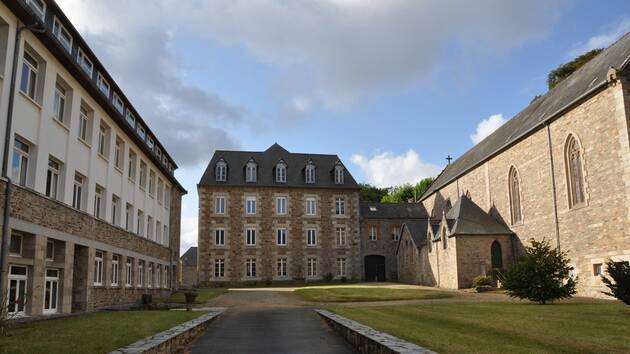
point(281, 173)
point(250, 236)
point(339, 174)
point(310, 206)
point(281, 236)
point(30, 73)
point(152, 177)
point(52, 178)
point(140, 223)
point(130, 118)
point(103, 133)
point(128, 272)
point(115, 269)
point(115, 209)
point(140, 275)
point(59, 103)
point(309, 173)
point(60, 31)
point(150, 234)
point(219, 268)
point(311, 267)
point(341, 267)
point(373, 233)
point(77, 191)
point(118, 103)
point(250, 205)
point(219, 205)
point(99, 195)
point(103, 85)
point(281, 205)
point(20, 163)
point(39, 6)
point(281, 267)
point(340, 232)
point(85, 63)
point(84, 124)
point(129, 217)
point(311, 237)
point(250, 267)
point(119, 156)
point(219, 236)
point(150, 275)
point(98, 268)
point(220, 174)
point(340, 206)
point(133, 161)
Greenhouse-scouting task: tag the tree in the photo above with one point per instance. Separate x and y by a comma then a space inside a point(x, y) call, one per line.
point(423, 185)
point(619, 272)
point(370, 193)
point(402, 193)
point(542, 274)
point(564, 70)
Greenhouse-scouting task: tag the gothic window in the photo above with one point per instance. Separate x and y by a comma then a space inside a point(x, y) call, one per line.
point(281, 172)
point(429, 242)
point(444, 238)
point(339, 174)
point(309, 172)
point(250, 171)
point(574, 170)
point(514, 186)
point(221, 171)
point(496, 255)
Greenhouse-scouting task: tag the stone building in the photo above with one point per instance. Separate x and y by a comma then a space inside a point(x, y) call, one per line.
point(558, 170)
point(277, 216)
point(381, 226)
point(188, 268)
point(94, 207)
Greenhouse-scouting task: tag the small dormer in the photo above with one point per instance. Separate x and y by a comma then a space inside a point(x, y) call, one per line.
point(339, 172)
point(220, 171)
point(281, 172)
point(251, 171)
point(309, 172)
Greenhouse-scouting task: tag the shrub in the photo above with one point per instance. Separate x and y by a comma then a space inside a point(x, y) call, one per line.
point(482, 280)
point(328, 277)
point(619, 272)
point(542, 274)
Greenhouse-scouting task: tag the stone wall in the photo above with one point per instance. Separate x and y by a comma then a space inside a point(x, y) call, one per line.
point(474, 257)
point(266, 252)
point(189, 276)
point(384, 245)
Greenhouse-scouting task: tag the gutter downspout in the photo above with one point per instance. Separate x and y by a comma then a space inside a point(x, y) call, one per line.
point(4, 255)
point(553, 187)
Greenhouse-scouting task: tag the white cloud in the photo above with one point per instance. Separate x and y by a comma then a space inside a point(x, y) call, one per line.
point(386, 169)
point(487, 127)
point(602, 40)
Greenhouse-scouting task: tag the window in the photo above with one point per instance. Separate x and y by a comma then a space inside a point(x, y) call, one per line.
point(50, 250)
point(166, 236)
point(219, 237)
point(166, 276)
point(140, 223)
point(102, 84)
point(143, 174)
point(62, 35)
point(19, 167)
point(340, 206)
point(150, 143)
point(311, 206)
point(514, 188)
point(496, 255)
point(281, 237)
point(118, 103)
point(132, 165)
point(118, 154)
point(59, 103)
point(98, 268)
point(219, 268)
point(129, 217)
point(281, 172)
point(444, 239)
point(250, 237)
point(311, 267)
point(160, 191)
point(131, 120)
point(15, 245)
point(339, 174)
point(151, 183)
point(281, 205)
point(221, 171)
point(128, 272)
point(341, 236)
point(219, 205)
point(85, 62)
point(103, 140)
point(18, 277)
point(158, 232)
point(281, 267)
point(574, 171)
point(150, 275)
point(140, 273)
point(250, 205)
point(250, 171)
point(311, 237)
point(115, 210)
point(341, 267)
point(52, 178)
point(115, 260)
point(30, 72)
point(309, 172)
point(39, 6)
point(597, 269)
point(84, 124)
point(77, 191)
point(98, 201)
point(150, 234)
point(373, 233)
point(395, 233)
point(250, 267)
point(158, 273)
point(141, 132)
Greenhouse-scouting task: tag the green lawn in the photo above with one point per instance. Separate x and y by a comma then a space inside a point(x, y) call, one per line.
point(203, 295)
point(99, 332)
point(504, 327)
point(350, 293)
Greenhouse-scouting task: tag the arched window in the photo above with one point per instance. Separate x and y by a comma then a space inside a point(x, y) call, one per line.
point(339, 173)
point(496, 255)
point(309, 172)
point(514, 186)
point(575, 176)
point(281, 172)
point(221, 171)
point(429, 243)
point(250, 171)
point(444, 238)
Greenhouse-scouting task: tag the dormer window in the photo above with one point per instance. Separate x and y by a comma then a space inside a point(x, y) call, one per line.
point(250, 171)
point(63, 36)
point(39, 6)
point(309, 172)
point(339, 174)
point(281, 172)
point(85, 62)
point(221, 171)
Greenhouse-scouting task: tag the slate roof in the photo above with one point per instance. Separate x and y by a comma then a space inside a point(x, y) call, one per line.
point(417, 230)
point(469, 219)
point(267, 161)
point(372, 210)
point(189, 258)
point(579, 85)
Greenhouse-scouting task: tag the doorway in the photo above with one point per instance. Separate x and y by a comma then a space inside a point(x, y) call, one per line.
point(18, 276)
point(375, 268)
point(51, 291)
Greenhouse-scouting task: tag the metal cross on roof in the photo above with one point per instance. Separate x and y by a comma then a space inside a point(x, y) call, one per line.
point(449, 158)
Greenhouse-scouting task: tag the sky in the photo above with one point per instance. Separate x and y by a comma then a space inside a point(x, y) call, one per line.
point(391, 86)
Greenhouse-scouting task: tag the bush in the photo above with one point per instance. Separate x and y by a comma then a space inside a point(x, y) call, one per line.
point(328, 277)
point(482, 280)
point(542, 274)
point(619, 272)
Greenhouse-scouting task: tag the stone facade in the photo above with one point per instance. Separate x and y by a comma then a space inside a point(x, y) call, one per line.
point(384, 244)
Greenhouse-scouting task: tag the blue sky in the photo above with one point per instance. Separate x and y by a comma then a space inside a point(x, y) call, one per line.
point(392, 87)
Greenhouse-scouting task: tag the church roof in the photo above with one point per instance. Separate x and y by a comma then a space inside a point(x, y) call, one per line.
point(266, 162)
point(372, 210)
point(578, 86)
point(417, 230)
point(469, 219)
point(189, 258)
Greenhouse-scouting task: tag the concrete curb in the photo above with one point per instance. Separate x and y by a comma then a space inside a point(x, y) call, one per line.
point(170, 340)
point(368, 340)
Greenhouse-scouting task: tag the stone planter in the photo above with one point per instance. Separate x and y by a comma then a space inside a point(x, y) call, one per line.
point(190, 296)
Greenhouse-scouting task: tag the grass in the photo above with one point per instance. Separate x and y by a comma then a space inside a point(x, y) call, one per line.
point(203, 295)
point(358, 293)
point(99, 332)
point(504, 327)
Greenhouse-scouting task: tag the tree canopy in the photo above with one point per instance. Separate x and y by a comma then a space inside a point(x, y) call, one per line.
point(397, 194)
point(564, 70)
point(370, 193)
